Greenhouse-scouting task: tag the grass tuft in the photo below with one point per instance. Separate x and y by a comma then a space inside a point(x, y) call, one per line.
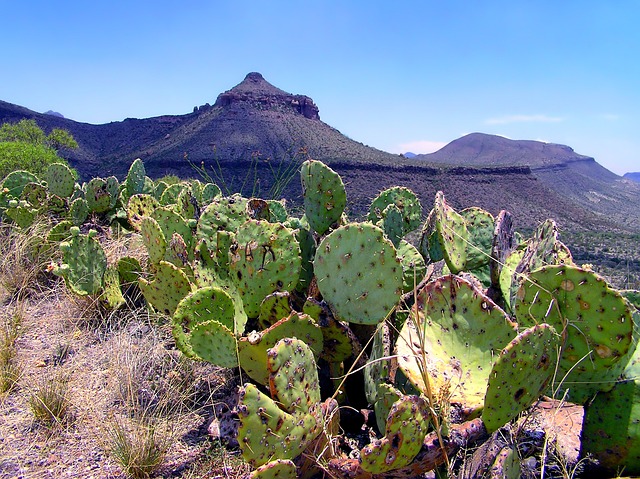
point(49, 402)
point(138, 449)
point(9, 368)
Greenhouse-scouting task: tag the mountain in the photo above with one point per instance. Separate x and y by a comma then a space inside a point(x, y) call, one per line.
point(632, 176)
point(577, 178)
point(255, 135)
point(54, 113)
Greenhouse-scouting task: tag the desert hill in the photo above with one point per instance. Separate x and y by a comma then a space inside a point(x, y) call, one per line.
point(255, 132)
point(632, 176)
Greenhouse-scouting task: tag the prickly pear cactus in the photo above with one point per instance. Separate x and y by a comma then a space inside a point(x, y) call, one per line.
point(153, 239)
point(171, 222)
point(452, 232)
point(266, 259)
point(169, 285)
point(98, 195)
point(324, 195)
point(212, 341)
point(358, 273)
point(84, 263)
point(60, 180)
point(596, 319)
point(253, 348)
point(520, 375)
point(222, 214)
point(282, 427)
point(452, 339)
point(502, 245)
point(35, 195)
point(139, 206)
point(202, 305)
point(480, 226)
point(278, 469)
point(406, 428)
point(79, 211)
point(404, 200)
point(134, 182)
point(414, 268)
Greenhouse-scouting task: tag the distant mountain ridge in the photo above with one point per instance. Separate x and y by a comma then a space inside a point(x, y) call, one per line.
point(632, 176)
point(254, 128)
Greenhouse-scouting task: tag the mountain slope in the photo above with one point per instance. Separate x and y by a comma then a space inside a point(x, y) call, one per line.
point(252, 137)
point(578, 178)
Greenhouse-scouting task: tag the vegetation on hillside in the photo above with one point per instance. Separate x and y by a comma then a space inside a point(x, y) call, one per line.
point(24, 146)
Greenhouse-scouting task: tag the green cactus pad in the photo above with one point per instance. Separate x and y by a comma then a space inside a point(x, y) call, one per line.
point(35, 194)
point(224, 213)
point(291, 361)
point(392, 224)
point(453, 235)
point(377, 369)
point(60, 179)
point(167, 289)
point(79, 211)
point(278, 210)
point(208, 193)
point(112, 293)
point(611, 429)
point(253, 348)
point(139, 206)
point(273, 308)
point(266, 259)
point(171, 193)
point(358, 273)
point(204, 304)
point(324, 195)
point(278, 469)
point(461, 331)
point(481, 227)
point(414, 268)
point(15, 181)
point(215, 343)
point(597, 320)
point(178, 252)
point(268, 432)
point(153, 239)
point(521, 374)
point(405, 200)
point(98, 195)
point(21, 213)
point(84, 263)
point(134, 182)
point(172, 222)
point(406, 428)
point(187, 204)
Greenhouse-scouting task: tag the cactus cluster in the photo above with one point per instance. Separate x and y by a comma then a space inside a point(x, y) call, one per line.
point(291, 300)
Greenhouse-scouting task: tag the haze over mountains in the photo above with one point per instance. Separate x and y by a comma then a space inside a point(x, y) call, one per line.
point(255, 130)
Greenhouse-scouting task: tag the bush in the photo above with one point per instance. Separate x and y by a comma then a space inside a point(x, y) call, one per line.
point(24, 156)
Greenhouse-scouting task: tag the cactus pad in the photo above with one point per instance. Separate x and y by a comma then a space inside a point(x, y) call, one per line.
point(215, 343)
point(453, 235)
point(84, 263)
point(358, 273)
point(153, 239)
point(278, 469)
point(253, 348)
point(167, 289)
point(402, 198)
point(597, 320)
point(406, 429)
point(204, 304)
point(480, 226)
point(139, 206)
point(459, 332)
point(266, 259)
point(324, 195)
point(60, 179)
point(520, 375)
point(268, 432)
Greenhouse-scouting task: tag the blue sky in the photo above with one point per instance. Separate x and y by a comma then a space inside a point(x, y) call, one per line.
point(399, 76)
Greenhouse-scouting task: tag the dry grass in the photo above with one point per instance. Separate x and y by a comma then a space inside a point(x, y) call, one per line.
point(49, 401)
point(9, 333)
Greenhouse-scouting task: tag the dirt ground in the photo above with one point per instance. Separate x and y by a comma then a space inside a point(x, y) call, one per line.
point(119, 369)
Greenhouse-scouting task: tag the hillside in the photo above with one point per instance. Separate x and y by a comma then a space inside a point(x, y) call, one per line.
point(255, 135)
point(632, 176)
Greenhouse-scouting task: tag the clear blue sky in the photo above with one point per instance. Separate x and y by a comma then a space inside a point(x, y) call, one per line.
point(399, 76)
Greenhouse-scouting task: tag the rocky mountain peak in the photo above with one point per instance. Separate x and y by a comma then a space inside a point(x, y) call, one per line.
point(256, 92)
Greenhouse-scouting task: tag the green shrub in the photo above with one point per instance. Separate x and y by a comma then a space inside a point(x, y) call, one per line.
point(24, 156)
